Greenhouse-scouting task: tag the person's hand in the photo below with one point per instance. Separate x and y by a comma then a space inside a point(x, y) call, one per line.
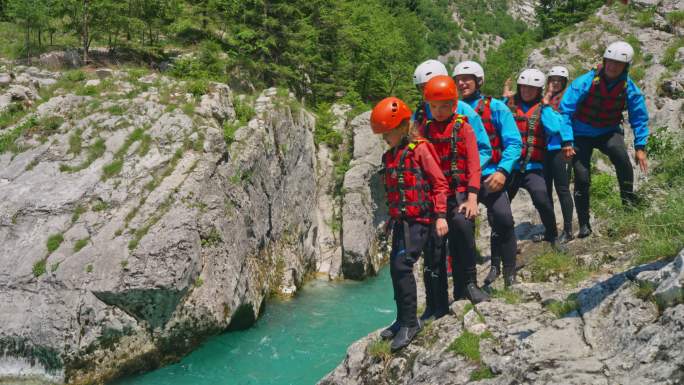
point(568, 152)
point(441, 227)
point(640, 157)
point(496, 181)
point(547, 97)
point(470, 208)
point(507, 92)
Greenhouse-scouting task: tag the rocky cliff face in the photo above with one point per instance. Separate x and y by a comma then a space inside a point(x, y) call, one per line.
point(139, 214)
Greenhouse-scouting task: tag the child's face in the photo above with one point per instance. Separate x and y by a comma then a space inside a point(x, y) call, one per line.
point(467, 85)
point(442, 109)
point(393, 138)
point(555, 84)
point(613, 68)
point(529, 93)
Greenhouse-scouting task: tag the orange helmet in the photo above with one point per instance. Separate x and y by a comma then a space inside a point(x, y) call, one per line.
point(388, 114)
point(441, 87)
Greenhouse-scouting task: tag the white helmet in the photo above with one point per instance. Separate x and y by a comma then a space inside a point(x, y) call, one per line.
point(619, 51)
point(427, 69)
point(559, 71)
point(532, 77)
point(469, 68)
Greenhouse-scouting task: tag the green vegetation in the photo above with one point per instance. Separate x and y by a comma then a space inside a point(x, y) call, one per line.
point(657, 219)
point(644, 290)
point(676, 18)
point(380, 349)
point(80, 209)
point(89, 268)
point(75, 142)
point(94, 152)
point(561, 308)
point(468, 345)
point(510, 296)
point(114, 167)
point(54, 241)
point(552, 263)
point(482, 373)
point(39, 268)
point(81, 243)
point(555, 15)
point(669, 58)
point(100, 206)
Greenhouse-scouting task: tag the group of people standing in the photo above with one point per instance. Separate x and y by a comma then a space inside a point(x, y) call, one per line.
point(460, 148)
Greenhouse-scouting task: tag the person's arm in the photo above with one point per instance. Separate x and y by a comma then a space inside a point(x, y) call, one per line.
point(510, 137)
point(638, 115)
point(475, 121)
point(473, 173)
point(552, 122)
point(426, 158)
point(573, 95)
point(638, 120)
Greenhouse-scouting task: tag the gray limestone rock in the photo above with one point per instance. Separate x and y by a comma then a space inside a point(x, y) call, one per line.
point(364, 209)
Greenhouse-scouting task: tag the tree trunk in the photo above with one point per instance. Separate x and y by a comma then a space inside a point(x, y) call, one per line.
point(28, 43)
point(86, 37)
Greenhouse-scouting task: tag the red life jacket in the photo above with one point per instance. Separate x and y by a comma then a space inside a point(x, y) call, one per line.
point(485, 111)
point(555, 101)
point(407, 188)
point(532, 134)
point(603, 108)
point(451, 150)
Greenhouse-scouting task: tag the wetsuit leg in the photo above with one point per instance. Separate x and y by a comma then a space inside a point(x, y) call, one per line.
point(557, 171)
point(533, 181)
point(581, 163)
point(401, 270)
point(463, 254)
point(503, 241)
point(613, 145)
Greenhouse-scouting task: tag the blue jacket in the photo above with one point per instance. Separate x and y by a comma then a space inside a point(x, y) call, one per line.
point(483, 146)
point(503, 121)
point(636, 108)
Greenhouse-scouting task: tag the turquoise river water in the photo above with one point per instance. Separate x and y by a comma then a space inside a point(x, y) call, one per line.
point(294, 342)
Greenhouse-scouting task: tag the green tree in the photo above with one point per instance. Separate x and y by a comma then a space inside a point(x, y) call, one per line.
point(31, 15)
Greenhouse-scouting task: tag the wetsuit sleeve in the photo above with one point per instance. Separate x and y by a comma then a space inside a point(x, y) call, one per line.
point(473, 168)
point(553, 123)
point(510, 137)
point(574, 94)
point(475, 121)
point(638, 115)
point(425, 156)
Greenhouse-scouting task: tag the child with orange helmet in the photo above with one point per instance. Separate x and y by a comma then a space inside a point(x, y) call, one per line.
point(416, 196)
point(456, 146)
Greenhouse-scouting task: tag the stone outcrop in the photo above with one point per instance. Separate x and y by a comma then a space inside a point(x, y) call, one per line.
point(607, 334)
point(136, 219)
point(364, 210)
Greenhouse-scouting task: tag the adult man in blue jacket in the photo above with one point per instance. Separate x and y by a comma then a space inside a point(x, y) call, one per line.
point(503, 135)
point(593, 106)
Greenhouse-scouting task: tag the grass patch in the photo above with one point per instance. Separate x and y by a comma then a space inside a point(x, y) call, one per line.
point(659, 219)
point(553, 263)
point(112, 169)
point(100, 206)
point(188, 108)
point(39, 268)
point(380, 349)
point(509, 296)
point(117, 109)
point(89, 268)
point(54, 241)
point(8, 139)
point(644, 290)
point(481, 373)
point(466, 345)
point(561, 308)
point(94, 152)
point(75, 142)
point(77, 213)
point(159, 213)
point(675, 18)
point(145, 143)
point(81, 243)
point(74, 76)
point(670, 57)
